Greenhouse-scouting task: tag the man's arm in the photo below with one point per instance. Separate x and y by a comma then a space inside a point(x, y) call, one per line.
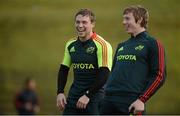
point(63, 71)
point(62, 78)
point(104, 56)
point(99, 82)
point(36, 107)
point(102, 76)
point(156, 77)
point(18, 102)
point(157, 71)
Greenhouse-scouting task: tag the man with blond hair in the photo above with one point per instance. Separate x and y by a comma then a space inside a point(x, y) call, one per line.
point(138, 68)
point(91, 58)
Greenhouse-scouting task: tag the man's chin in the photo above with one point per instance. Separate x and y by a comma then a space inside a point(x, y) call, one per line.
point(81, 34)
point(128, 31)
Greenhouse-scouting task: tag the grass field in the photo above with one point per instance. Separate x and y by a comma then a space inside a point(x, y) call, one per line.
point(33, 35)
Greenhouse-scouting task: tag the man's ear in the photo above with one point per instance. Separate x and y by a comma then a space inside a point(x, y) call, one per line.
point(140, 20)
point(93, 24)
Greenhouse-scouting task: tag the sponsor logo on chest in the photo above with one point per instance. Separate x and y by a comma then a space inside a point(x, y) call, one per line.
point(90, 50)
point(126, 57)
point(83, 66)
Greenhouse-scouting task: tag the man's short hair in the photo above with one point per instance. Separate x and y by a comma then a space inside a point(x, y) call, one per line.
point(28, 80)
point(86, 12)
point(138, 13)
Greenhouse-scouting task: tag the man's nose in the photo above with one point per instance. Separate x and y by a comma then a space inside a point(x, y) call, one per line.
point(123, 22)
point(80, 25)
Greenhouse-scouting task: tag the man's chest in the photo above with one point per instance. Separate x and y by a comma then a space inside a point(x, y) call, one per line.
point(132, 52)
point(83, 53)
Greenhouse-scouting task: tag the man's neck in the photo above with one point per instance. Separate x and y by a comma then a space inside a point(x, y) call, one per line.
point(86, 38)
point(138, 31)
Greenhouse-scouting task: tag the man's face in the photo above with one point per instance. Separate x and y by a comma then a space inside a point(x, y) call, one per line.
point(83, 26)
point(32, 85)
point(130, 25)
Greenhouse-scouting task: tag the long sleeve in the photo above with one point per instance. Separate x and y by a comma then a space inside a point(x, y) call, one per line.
point(157, 71)
point(62, 78)
point(63, 70)
point(102, 76)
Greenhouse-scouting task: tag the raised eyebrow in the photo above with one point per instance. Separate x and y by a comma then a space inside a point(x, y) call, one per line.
point(125, 17)
point(81, 21)
point(84, 21)
point(77, 21)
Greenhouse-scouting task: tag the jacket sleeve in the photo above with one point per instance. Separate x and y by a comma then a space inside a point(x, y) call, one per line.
point(104, 55)
point(157, 70)
point(18, 101)
point(62, 78)
point(63, 70)
point(102, 76)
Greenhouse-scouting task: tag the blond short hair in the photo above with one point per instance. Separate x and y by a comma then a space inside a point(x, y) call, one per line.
point(138, 13)
point(86, 12)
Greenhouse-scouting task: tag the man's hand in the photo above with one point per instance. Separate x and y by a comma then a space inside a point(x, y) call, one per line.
point(28, 106)
point(61, 101)
point(82, 102)
point(138, 106)
point(36, 108)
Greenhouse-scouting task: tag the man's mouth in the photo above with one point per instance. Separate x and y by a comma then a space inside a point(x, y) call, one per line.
point(81, 30)
point(126, 27)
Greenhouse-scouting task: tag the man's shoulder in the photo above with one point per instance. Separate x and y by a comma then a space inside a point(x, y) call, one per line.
point(18, 93)
point(70, 41)
point(122, 43)
point(100, 41)
point(153, 42)
point(150, 38)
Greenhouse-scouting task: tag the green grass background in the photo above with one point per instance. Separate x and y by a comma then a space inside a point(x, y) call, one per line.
point(33, 35)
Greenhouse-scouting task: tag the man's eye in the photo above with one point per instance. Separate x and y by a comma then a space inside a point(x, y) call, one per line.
point(84, 22)
point(127, 18)
point(77, 22)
